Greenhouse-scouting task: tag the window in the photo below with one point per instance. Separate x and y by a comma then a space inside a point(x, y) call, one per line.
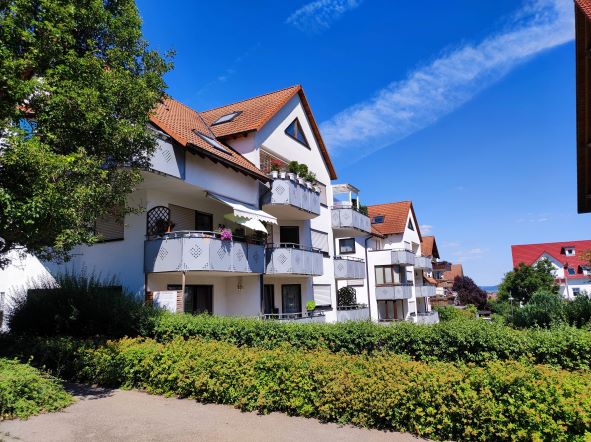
point(390, 275)
point(226, 118)
point(379, 219)
point(322, 295)
point(109, 228)
point(410, 226)
point(289, 235)
point(569, 251)
point(390, 310)
point(346, 246)
point(294, 130)
point(320, 241)
point(211, 141)
point(576, 290)
point(203, 222)
point(571, 271)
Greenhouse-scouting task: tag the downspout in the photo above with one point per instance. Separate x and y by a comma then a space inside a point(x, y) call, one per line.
point(367, 277)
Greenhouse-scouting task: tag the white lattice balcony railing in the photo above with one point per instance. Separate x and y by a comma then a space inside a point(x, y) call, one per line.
point(202, 251)
point(288, 196)
point(293, 259)
point(349, 268)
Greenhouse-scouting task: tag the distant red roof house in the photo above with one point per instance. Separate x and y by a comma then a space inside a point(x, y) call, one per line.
point(429, 247)
point(395, 216)
point(456, 270)
point(569, 254)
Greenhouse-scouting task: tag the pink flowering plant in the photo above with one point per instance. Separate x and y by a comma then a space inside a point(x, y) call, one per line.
point(226, 234)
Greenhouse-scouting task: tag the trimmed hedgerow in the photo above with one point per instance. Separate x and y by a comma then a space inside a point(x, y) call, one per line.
point(500, 400)
point(466, 340)
point(26, 391)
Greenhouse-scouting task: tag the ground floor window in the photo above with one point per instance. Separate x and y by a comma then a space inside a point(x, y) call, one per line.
point(390, 310)
point(198, 298)
point(291, 298)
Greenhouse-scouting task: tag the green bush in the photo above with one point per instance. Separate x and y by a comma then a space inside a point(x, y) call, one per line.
point(578, 311)
point(449, 312)
point(447, 401)
point(543, 310)
point(26, 391)
point(79, 305)
point(465, 340)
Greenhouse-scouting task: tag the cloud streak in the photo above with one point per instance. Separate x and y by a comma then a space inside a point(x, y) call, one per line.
point(318, 16)
point(452, 79)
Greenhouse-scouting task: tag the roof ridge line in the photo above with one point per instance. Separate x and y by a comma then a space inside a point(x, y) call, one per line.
point(252, 98)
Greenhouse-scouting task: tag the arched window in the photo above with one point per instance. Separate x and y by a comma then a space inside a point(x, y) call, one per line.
point(157, 220)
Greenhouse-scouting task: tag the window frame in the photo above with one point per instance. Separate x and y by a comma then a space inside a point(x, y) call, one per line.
point(341, 246)
point(401, 275)
point(299, 130)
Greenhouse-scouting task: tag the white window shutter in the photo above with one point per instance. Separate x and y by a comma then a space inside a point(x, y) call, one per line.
point(183, 218)
point(322, 294)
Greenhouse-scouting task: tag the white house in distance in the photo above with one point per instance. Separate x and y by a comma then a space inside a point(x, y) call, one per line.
point(226, 228)
point(571, 269)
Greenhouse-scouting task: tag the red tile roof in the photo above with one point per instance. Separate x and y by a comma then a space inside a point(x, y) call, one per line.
point(530, 253)
point(429, 247)
point(585, 6)
point(257, 111)
point(180, 121)
point(456, 270)
point(395, 217)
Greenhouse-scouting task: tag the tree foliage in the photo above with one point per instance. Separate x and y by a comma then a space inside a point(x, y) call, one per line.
point(346, 296)
point(77, 85)
point(468, 292)
point(523, 281)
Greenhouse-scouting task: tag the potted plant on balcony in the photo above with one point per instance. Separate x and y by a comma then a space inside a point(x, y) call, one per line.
point(293, 169)
point(274, 170)
point(310, 307)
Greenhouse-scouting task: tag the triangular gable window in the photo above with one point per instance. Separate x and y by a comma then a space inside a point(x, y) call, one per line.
point(410, 226)
point(294, 130)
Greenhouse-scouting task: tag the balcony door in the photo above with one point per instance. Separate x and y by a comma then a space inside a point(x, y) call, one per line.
point(291, 298)
point(198, 298)
point(203, 222)
point(289, 236)
point(390, 310)
point(269, 299)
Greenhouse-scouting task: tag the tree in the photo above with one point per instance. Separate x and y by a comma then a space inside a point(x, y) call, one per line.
point(346, 296)
point(468, 292)
point(543, 309)
point(524, 280)
point(77, 85)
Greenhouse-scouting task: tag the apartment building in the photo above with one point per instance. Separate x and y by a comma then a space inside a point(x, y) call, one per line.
point(240, 218)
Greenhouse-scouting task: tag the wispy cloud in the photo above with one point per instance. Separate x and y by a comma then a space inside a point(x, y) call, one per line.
point(426, 229)
point(468, 254)
point(534, 218)
point(319, 15)
point(230, 71)
point(449, 81)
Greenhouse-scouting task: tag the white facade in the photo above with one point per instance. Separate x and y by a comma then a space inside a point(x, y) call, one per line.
point(569, 285)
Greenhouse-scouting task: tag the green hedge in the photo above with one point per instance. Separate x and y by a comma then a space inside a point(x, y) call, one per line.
point(496, 401)
point(26, 391)
point(475, 341)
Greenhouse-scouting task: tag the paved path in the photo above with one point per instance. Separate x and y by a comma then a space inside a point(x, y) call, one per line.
point(112, 415)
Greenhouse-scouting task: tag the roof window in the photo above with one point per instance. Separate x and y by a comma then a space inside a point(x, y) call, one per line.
point(211, 141)
point(569, 251)
point(379, 219)
point(226, 118)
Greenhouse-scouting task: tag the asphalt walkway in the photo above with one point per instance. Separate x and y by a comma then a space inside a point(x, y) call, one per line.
point(117, 415)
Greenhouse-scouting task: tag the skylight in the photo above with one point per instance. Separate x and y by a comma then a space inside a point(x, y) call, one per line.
point(211, 141)
point(226, 118)
point(379, 219)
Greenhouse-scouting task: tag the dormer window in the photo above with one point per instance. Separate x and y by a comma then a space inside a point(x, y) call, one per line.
point(569, 251)
point(571, 271)
point(410, 226)
point(379, 219)
point(294, 130)
point(226, 118)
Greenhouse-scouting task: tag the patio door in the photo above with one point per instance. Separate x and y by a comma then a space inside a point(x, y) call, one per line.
point(202, 298)
point(289, 236)
point(269, 299)
point(291, 298)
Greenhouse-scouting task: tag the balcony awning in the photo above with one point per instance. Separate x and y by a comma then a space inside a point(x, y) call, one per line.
point(244, 212)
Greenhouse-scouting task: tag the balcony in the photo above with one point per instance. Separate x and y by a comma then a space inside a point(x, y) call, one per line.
point(422, 262)
point(359, 312)
point(346, 221)
point(394, 291)
point(293, 259)
point(403, 257)
point(425, 291)
point(349, 268)
point(431, 317)
point(203, 252)
point(292, 199)
point(301, 317)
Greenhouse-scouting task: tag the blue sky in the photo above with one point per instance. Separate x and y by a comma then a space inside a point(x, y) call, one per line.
point(466, 108)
